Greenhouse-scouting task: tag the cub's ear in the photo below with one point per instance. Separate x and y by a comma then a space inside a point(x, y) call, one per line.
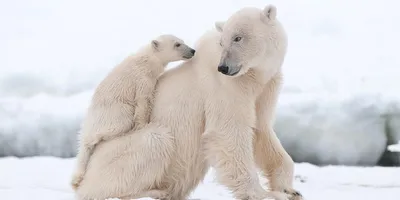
point(155, 44)
point(269, 13)
point(219, 26)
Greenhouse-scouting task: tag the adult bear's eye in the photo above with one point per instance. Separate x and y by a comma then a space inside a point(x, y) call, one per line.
point(177, 45)
point(237, 39)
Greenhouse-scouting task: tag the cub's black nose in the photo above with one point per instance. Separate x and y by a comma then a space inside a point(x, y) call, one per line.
point(193, 51)
point(223, 69)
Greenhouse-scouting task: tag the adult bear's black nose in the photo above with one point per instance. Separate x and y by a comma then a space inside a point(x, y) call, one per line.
point(223, 69)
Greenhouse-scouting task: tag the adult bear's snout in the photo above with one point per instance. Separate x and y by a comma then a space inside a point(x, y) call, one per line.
point(223, 69)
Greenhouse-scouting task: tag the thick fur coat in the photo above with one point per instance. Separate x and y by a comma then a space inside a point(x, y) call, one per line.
point(214, 110)
point(122, 102)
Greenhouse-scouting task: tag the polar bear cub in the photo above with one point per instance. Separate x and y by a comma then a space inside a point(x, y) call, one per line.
point(122, 101)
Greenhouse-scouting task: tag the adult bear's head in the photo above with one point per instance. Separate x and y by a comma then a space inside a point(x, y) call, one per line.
point(251, 38)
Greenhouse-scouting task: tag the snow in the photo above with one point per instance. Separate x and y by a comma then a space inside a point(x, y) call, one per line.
point(37, 124)
point(339, 98)
point(394, 147)
point(353, 131)
point(47, 178)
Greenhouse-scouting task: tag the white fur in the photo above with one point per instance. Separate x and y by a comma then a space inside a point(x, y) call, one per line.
point(122, 101)
point(254, 64)
point(209, 119)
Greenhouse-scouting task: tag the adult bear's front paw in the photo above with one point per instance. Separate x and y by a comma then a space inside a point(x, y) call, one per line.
point(294, 194)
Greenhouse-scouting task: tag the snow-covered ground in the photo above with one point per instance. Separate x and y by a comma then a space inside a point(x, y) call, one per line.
point(46, 178)
point(340, 102)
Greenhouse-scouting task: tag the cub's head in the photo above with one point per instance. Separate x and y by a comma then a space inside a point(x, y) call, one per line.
point(169, 48)
point(251, 38)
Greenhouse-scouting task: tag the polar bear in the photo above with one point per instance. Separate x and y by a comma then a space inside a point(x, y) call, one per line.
point(213, 110)
point(161, 160)
point(254, 48)
point(122, 101)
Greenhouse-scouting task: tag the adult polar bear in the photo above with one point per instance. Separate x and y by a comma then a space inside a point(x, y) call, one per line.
point(202, 117)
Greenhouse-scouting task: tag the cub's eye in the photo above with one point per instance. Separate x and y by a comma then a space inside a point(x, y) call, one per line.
point(237, 39)
point(177, 45)
point(220, 43)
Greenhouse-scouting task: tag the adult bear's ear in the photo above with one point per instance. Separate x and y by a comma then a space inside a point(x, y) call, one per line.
point(155, 44)
point(219, 26)
point(269, 13)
